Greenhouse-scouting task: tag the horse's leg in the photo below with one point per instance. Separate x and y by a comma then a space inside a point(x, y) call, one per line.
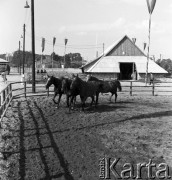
point(97, 98)
point(60, 95)
point(67, 99)
point(83, 102)
point(116, 96)
point(70, 102)
point(92, 97)
point(111, 97)
point(55, 94)
point(74, 102)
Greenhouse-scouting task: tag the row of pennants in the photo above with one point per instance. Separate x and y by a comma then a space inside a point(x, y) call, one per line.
point(144, 44)
point(54, 41)
point(150, 4)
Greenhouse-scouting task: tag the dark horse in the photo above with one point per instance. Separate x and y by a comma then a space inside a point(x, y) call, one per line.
point(108, 86)
point(85, 89)
point(66, 83)
point(57, 82)
point(66, 88)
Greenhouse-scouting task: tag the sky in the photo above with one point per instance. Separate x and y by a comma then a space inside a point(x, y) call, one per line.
point(87, 24)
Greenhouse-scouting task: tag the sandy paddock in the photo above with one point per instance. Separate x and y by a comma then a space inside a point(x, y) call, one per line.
point(40, 141)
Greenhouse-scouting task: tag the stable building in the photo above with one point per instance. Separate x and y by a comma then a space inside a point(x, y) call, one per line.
point(121, 60)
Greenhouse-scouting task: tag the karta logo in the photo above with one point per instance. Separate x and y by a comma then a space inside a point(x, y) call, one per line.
point(108, 169)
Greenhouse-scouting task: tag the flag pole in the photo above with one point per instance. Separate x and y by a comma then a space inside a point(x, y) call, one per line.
point(151, 6)
point(52, 57)
point(148, 49)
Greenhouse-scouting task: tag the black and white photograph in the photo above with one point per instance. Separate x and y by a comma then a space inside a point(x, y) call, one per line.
point(85, 89)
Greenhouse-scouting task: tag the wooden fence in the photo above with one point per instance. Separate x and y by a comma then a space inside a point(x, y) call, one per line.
point(155, 88)
point(9, 93)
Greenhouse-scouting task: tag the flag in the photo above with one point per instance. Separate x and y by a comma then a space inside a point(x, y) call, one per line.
point(43, 44)
point(66, 41)
point(54, 41)
point(144, 46)
point(134, 40)
point(151, 5)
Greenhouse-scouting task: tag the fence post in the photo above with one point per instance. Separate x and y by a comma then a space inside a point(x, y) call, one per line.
point(6, 92)
point(153, 88)
point(2, 100)
point(4, 95)
point(48, 92)
point(25, 89)
point(10, 86)
point(130, 88)
point(0, 109)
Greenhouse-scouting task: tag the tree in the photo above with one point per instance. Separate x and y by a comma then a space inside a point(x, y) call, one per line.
point(3, 56)
point(17, 58)
point(165, 64)
point(67, 61)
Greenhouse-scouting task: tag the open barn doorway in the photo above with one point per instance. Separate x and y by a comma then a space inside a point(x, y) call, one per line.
point(126, 70)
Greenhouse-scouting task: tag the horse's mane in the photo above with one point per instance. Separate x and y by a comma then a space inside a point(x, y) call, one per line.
point(56, 81)
point(92, 78)
point(68, 83)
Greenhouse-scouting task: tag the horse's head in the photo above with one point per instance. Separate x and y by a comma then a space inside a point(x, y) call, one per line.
point(49, 81)
point(75, 83)
point(88, 77)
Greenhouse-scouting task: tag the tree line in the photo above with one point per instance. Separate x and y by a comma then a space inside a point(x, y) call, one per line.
point(71, 60)
point(165, 64)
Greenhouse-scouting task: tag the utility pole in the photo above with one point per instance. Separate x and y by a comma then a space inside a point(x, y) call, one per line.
point(33, 42)
point(20, 58)
point(54, 41)
point(33, 46)
point(66, 40)
point(24, 27)
point(103, 48)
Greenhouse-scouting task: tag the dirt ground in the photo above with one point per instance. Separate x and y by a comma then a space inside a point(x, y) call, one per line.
point(40, 141)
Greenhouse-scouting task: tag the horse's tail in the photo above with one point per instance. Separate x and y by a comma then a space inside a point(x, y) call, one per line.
point(119, 86)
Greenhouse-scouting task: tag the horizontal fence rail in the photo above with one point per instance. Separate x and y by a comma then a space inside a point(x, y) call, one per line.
point(22, 89)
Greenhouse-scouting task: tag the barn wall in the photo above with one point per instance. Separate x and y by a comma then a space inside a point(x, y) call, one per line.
point(115, 75)
point(127, 46)
point(104, 75)
point(156, 75)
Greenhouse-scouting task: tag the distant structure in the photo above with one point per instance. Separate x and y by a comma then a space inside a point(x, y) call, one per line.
point(121, 60)
point(3, 64)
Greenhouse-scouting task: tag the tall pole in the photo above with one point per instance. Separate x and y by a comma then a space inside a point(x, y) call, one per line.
point(54, 41)
point(52, 57)
point(151, 6)
point(148, 50)
point(65, 57)
point(66, 40)
point(20, 57)
point(33, 46)
point(23, 46)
